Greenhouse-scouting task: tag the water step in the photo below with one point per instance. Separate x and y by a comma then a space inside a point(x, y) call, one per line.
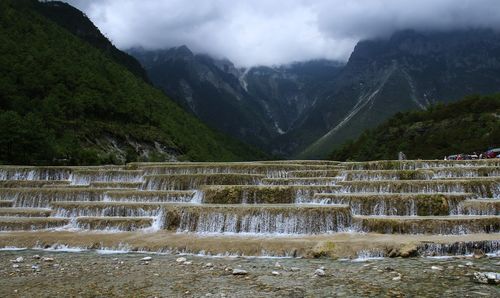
point(193, 181)
point(457, 172)
point(218, 168)
point(419, 164)
point(352, 175)
point(427, 224)
point(32, 183)
point(150, 195)
point(303, 162)
point(116, 185)
point(276, 170)
point(85, 177)
point(262, 219)
point(258, 219)
point(6, 203)
point(25, 212)
point(31, 223)
point(41, 197)
point(300, 181)
point(101, 209)
point(478, 207)
point(114, 223)
point(263, 194)
point(484, 187)
point(34, 173)
point(313, 173)
point(395, 203)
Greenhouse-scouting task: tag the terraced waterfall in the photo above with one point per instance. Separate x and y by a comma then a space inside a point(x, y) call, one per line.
point(282, 208)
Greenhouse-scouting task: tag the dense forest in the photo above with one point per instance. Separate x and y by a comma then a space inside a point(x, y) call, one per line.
point(466, 126)
point(64, 101)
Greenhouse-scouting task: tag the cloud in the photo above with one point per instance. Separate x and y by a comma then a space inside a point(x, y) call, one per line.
point(263, 32)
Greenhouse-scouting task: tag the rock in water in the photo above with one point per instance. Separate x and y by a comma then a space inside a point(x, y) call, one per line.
point(295, 269)
point(487, 277)
point(239, 272)
point(181, 260)
point(146, 259)
point(437, 268)
point(319, 272)
point(275, 273)
point(19, 260)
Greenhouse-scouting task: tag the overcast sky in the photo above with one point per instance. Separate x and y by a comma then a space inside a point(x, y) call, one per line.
point(267, 32)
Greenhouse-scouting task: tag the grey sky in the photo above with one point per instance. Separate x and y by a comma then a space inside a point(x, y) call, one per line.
point(253, 32)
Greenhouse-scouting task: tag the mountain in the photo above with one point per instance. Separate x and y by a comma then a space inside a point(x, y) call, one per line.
point(77, 23)
point(64, 100)
point(410, 70)
point(257, 105)
point(466, 126)
point(307, 109)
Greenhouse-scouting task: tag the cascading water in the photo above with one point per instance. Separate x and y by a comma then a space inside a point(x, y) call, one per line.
point(305, 199)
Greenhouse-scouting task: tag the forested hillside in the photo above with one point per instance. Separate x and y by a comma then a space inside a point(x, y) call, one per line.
point(64, 101)
point(472, 124)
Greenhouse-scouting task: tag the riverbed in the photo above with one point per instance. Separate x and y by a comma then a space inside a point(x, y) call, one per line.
point(45, 273)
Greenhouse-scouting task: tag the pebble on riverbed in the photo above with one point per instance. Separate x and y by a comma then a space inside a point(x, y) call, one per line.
point(239, 272)
point(181, 260)
point(487, 277)
point(319, 272)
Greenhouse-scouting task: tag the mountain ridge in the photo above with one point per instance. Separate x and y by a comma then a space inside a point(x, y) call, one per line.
point(308, 113)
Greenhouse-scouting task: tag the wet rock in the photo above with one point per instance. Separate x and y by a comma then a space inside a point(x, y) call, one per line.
point(319, 272)
point(208, 265)
point(36, 257)
point(275, 273)
point(487, 277)
point(439, 268)
point(469, 264)
point(295, 269)
point(181, 260)
point(35, 268)
point(239, 272)
point(388, 269)
point(18, 260)
point(478, 254)
point(15, 266)
point(146, 259)
point(187, 263)
point(409, 250)
point(47, 259)
point(397, 278)
point(393, 253)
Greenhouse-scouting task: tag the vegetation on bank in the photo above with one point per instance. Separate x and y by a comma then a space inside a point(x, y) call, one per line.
point(466, 126)
point(63, 101)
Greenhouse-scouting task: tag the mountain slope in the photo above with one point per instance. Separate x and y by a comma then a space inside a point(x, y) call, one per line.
point(469, 125)
point(408, 71)
point(77, 23)
point(256, 105)
point(64, 101)
point(208, 88)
